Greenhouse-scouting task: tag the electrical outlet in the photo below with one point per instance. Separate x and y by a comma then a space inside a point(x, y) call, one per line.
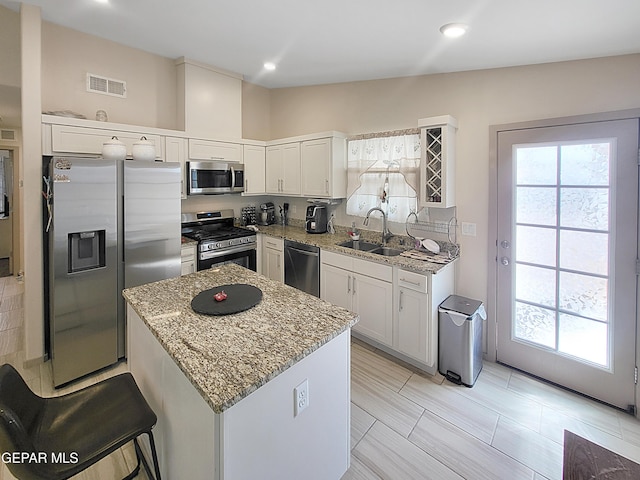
point(294, 209)
point(300, 397)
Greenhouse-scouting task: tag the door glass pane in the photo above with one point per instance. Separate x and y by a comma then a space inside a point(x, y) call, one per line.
point(536, 245)
point(584, 208)
point(586, 164)
point(583, 338)
point(536, 165)
point(535, 324)
point(536, 205)
point(584, 251)
point(536, 285)
point(584, 295)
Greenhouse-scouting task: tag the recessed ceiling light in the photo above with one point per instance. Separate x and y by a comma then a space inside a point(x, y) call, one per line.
point(270, 66)
point(454, 30)
point(102, 1)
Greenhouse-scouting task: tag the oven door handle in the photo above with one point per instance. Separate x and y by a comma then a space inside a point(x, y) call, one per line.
point(221, 253)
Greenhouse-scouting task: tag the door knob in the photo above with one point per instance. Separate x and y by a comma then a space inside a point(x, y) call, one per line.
point(505, 244)
point(504, 261)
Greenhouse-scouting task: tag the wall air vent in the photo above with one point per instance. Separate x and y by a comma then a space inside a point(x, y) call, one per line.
point(8, 135)
point(106, 86)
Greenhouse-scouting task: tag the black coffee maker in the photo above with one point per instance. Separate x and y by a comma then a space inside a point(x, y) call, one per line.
point(316, 219)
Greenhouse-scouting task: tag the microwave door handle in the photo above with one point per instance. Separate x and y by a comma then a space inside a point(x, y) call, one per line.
point(233, 178)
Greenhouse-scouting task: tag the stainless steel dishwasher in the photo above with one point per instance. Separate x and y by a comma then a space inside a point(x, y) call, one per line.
point(302, 267)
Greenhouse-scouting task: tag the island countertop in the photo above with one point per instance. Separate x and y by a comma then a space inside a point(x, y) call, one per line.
point(228, 357)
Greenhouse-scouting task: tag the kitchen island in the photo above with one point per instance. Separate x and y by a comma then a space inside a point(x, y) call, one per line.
point(224, 387)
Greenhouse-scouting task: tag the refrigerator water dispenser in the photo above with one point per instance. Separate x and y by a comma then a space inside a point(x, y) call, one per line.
point(86, 251)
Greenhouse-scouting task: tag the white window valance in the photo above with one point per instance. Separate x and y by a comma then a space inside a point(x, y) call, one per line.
point(383, 171)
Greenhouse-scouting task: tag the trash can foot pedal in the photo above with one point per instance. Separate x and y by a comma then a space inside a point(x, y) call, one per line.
point(453, 377)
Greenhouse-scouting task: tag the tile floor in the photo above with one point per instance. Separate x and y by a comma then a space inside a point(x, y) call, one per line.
point(406, 425)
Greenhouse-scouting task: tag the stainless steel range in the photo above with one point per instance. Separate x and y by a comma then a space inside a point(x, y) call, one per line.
point(219, 241)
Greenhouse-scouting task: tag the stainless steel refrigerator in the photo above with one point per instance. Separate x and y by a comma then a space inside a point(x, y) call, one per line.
point(108, 226)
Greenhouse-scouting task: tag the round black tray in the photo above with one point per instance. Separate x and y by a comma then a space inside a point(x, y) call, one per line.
point(240, 297)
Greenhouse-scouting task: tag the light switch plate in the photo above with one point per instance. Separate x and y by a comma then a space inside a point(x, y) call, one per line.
point(469, 229)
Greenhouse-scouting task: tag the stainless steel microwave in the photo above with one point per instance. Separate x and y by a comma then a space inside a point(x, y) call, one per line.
point(211, 177)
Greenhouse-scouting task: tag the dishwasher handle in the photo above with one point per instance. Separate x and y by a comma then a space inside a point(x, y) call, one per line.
point(303, 252)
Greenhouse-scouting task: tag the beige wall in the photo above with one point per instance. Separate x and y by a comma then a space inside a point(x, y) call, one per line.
point(10, 53)
point(67, 57)
point(256, 112)
point(477, 99)
point(9, 69)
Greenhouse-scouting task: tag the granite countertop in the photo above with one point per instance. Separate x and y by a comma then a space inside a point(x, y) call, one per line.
point(185, 241)
point(327, 241)
point(228, 357)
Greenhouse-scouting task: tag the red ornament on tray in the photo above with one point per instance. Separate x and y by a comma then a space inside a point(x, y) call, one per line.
point(220, 296)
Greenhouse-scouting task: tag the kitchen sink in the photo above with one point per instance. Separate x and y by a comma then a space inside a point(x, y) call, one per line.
point(360, 245)
point(386, 251)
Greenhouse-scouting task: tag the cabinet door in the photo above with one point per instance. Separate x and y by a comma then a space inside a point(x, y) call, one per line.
point(335, 286)
point(316, 167)
point(208, 150)
point(273, 258)
point(273, 169)
point(412, 332)
point(291, 169)
point(373, 301)
point(272, 264)
point(254, 169)
point(176, 151)
point(85, 140)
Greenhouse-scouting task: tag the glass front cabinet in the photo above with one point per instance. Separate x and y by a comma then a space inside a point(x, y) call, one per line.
point(437, 162)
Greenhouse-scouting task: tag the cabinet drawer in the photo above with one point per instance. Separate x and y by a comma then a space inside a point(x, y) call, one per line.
point(413, 281)
point(373, 269)
point(336, 259)
point(274, 243)
point(208, 150)
point(188, 253)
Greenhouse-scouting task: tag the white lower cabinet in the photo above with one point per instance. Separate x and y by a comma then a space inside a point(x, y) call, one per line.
point(273, 258)
point(188, 258)
point(362, 287)
point(412, 329)
point(398, 308)
point(415, 317)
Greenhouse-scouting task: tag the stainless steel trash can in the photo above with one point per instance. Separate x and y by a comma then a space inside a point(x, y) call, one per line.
point(460, 339)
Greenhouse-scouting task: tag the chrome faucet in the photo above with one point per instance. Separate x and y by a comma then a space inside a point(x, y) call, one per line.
point(386, 234)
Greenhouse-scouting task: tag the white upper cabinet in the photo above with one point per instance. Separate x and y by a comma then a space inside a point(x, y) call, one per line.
point(437, 163)
point(311, 166)
point(324, 168)
point(176, 151)
point(210, 150)
point(283, 169)
point(68, 139)
point(254, 169)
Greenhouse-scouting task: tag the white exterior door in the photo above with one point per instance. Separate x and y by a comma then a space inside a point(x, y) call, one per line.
point(567, 249)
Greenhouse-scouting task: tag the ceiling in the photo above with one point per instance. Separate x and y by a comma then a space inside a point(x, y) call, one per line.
point(329, 41)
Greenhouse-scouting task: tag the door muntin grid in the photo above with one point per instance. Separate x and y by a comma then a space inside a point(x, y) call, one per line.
point(562, 242)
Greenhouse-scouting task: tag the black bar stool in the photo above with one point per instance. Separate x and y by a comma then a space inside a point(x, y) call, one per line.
point(56, 438)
